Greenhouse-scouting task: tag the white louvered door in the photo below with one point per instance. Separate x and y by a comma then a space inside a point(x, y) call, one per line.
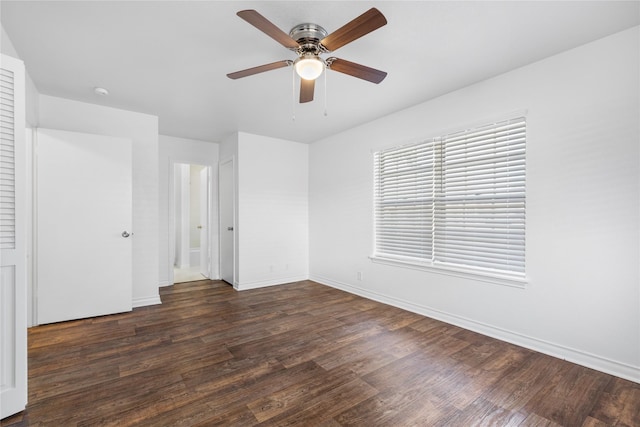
point(13, 287)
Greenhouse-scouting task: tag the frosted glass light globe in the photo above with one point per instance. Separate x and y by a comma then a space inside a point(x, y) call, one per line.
point(309, 68)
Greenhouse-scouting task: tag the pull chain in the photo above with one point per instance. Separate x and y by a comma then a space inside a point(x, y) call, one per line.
point(325, 92)
point(293, 94)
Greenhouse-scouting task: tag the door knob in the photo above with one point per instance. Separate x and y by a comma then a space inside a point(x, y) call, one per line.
point(199, 227)
point(229, 228)
point(125, 234)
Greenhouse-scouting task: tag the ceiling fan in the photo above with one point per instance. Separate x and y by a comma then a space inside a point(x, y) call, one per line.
point(309, 41)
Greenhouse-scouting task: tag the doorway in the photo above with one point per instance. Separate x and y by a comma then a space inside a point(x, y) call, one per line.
point(191, 225)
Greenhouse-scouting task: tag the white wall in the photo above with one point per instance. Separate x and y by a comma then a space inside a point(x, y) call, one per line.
point(142, 129)
point(6, 45)
point(180, 150)
point(582, 300)
point(229, 147)
point(32, 101)
point(272, 216)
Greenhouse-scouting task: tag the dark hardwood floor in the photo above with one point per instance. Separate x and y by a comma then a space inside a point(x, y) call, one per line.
point(301, 354)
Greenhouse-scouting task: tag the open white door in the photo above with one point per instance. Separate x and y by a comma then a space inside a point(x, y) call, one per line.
point(183, 214)
point(83, 225)
point(227, 241)
point(13, 239)
point(205, 258)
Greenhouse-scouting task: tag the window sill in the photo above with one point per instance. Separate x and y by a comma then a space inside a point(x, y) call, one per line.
point(488, 277)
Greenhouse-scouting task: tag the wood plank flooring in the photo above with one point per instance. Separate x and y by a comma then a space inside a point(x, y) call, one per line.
point(301, 354)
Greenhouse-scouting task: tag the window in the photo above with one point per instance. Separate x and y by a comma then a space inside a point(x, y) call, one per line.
point(456, 201)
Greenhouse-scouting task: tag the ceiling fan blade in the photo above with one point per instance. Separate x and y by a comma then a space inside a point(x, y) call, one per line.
point(306, 90)
point(364, 24)
point(267, 27)
point(259, 69)
point(356, 70)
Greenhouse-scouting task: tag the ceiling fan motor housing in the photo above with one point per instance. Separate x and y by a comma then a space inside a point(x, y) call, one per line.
point(308, 37)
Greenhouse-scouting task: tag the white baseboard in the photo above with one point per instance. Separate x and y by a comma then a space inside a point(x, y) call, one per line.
point(599, 363)
point(264, 283)
point(164, 283)
point(145, 301)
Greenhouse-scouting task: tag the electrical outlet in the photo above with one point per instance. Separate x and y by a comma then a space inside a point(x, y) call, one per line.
point(360, 276)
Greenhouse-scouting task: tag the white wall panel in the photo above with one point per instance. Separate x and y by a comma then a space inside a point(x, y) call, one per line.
point(582, 300)
point(272, 222)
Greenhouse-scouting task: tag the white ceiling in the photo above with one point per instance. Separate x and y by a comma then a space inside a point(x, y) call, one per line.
point(170, 58)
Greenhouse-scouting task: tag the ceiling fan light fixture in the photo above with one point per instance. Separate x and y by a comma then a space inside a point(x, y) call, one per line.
point(309, 67)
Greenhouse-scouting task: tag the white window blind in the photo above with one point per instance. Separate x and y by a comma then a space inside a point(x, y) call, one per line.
point(7, 162)
point(404, 201)
point(457, 200)
point(480, 202)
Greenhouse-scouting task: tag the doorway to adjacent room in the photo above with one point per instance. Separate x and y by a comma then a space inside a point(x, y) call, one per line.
point(191, 185)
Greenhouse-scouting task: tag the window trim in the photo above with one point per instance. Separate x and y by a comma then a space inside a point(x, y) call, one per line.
point(514, 281)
